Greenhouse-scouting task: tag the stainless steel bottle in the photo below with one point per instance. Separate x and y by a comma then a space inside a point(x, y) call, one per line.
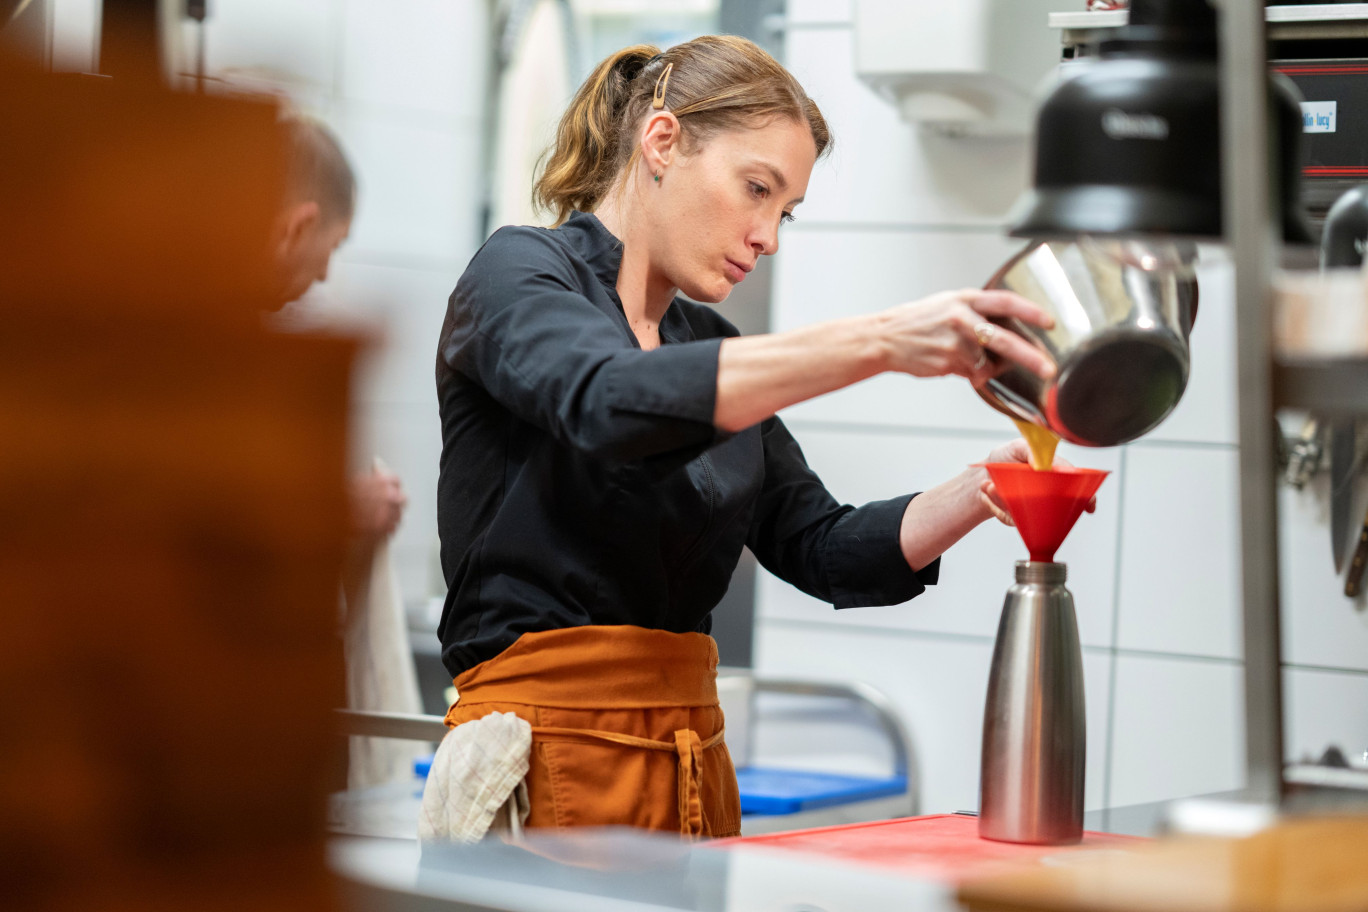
point(1034, 726)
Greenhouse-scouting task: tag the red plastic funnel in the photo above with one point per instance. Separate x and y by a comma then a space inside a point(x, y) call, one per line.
point(1044, 505)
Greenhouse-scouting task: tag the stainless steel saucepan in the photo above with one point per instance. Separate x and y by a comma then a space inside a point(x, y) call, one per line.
point(1123, 310)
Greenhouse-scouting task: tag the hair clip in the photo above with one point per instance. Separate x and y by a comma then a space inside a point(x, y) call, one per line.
point(658, 100)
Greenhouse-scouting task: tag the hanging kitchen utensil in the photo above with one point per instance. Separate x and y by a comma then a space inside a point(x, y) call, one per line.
point(1343, 434)
point(1353, 583)
point(1346, 229)
point(1304, 453)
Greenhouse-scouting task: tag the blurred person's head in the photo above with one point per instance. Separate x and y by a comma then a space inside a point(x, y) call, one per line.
point(700, 151)
point(320, 197)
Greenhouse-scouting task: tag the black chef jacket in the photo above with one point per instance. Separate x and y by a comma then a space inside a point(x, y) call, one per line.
point(582, 480)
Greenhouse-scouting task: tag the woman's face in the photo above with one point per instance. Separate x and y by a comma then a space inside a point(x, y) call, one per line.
point(718, 207)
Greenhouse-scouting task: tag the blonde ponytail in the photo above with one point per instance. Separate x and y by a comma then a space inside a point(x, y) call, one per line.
point(717, 82)
point(581, 164)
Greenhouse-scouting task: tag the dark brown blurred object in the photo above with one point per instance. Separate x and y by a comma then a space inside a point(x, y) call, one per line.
point(172, 512)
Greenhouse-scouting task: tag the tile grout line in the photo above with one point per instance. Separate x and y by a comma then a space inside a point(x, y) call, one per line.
point(1088, 649)
point(1179, 657)
point(814, 224)
point(830, 24)
point(1109, 742)
point(842, 626)
point(1325, 669)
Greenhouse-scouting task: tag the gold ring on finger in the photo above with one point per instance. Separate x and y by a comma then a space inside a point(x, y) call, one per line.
point(984, 332)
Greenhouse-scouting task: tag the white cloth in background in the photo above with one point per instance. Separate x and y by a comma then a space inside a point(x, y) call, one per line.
point(381, 675)
point(477, 783)
point(533, 92)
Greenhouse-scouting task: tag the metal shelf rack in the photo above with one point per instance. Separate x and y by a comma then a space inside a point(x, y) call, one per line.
point(1326, 386)
point(1302, 22)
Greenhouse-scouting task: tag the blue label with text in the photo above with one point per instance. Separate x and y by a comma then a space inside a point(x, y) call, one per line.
point(1318, 116)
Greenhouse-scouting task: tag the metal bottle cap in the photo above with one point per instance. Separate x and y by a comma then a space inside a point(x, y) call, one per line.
point(1041, 573)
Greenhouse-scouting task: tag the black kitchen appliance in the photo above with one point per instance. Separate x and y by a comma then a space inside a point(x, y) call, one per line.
point(1334, 144)
point(1130, 142)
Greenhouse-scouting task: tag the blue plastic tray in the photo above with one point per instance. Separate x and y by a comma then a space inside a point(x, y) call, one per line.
point(780, 791)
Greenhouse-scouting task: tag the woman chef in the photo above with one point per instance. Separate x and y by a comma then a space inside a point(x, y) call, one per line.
point(608, 448)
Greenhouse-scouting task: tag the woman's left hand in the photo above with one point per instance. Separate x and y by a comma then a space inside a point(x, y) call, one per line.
point(1012, 451)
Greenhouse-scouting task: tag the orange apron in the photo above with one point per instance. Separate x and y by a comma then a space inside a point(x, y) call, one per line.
point(626, 727)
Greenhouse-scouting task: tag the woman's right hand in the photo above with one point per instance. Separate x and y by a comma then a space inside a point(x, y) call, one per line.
point(941, 334)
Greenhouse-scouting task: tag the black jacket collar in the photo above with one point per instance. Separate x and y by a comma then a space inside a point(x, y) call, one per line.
point(602, 250)
point(600, 247)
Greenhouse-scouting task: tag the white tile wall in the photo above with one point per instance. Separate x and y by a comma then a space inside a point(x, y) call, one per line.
point(1325, 708)
point(824, 272)
point(423, 55)
point(1097, 690)
point(938, 686)
point(1207, 412)
point(885, 171)
point(1178, 729)
point(406, 306)
point(292, 43)
point(407, 436)
point(860, 466)
point(1320, 625)
point(809, 12)
point(416, 179)
point(787, 726)
point(1180, 552)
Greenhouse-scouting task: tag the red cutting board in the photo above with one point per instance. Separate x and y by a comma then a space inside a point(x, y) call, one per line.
point(943, 847)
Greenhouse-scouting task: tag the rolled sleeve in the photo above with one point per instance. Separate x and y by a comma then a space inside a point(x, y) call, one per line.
point(864, 558)
point(673, 381)
point(848, 556)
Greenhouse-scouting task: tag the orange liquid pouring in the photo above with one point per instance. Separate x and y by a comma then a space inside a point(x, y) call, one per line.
point(1042, 443)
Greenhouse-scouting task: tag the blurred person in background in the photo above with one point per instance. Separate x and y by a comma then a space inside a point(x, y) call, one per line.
point(316, 218)
point(320, 200)
point(314, 221)
point(609, 447)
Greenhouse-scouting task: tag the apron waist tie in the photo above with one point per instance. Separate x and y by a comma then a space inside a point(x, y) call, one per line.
point(686, 744)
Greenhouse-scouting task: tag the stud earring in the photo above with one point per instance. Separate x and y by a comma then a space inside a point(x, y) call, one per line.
point(657, 177)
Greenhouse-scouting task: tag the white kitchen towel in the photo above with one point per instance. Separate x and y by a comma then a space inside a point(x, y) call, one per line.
point(533, 90)
point(477, 783)
point(381, 675)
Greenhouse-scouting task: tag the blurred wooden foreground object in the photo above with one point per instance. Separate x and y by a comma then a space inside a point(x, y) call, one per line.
point(1306, 865)
point(172, 509)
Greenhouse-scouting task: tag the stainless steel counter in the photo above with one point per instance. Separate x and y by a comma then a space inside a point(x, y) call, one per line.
point(616, 870)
